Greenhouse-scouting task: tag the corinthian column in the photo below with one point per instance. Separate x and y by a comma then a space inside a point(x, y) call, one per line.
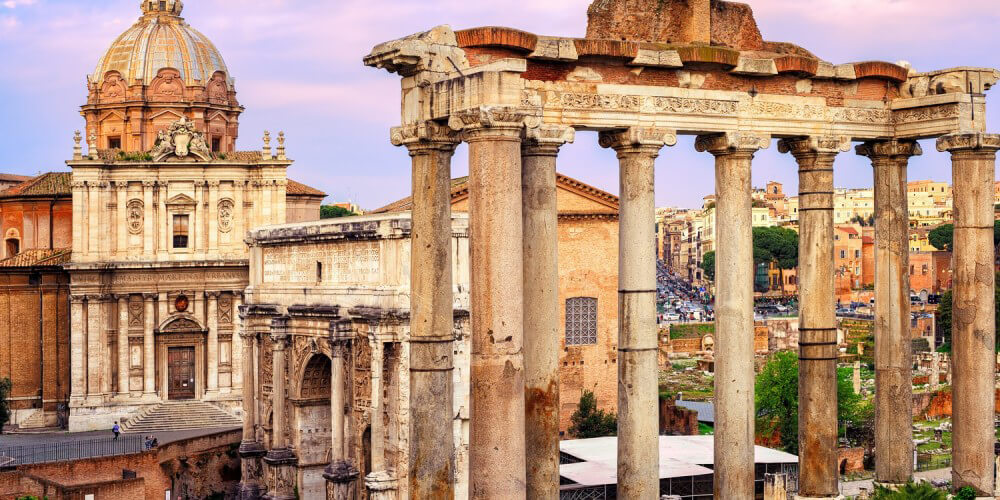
point(734, 354)
point(431, 471)
point(341, 474)
point(638, 425)
point(496, 448)
point(380, 482)
point(541, 301)
point(280, 459)
point(893, 347)
point(818, 472)
point(973, 159)
point(251, 450)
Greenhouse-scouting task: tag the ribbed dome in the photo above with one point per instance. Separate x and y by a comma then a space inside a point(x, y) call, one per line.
point(161, 39)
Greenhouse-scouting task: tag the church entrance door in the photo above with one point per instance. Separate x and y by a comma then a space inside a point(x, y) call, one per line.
point(181, 372)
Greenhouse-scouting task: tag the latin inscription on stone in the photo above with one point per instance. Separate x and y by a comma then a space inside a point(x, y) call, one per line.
point(356, 262)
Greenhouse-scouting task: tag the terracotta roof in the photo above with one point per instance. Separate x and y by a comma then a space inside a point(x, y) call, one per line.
point(847, 229)
point(297, 188)
point(460, 186)
point(49, 184)
point(13, 178)
point(38, 257)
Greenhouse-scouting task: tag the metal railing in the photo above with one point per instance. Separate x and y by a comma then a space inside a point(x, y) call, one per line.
point(11, 456)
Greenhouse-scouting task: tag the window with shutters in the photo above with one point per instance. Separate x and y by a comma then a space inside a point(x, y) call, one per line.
point(581, 321)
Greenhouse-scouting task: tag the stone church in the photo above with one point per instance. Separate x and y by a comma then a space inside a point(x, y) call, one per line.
point(161, 202)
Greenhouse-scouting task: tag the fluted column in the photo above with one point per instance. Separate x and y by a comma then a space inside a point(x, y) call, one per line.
point(123, 364)
point(148, 347)
point(818, 471)
point(381, 482)
point(893, 347)
point(973, 159)
point(251, 450)
point(341, 474)
point(734, 350)
point(280, 459)
point(212, 349)
point(431, 147)
point(638, 424)
point(496, 442)
point(148, 224)
point(541, 303)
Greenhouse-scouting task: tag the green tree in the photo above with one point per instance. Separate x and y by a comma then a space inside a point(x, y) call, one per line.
point(910, 491)
point(5, 386)
point(589, 421)
point(779, 245)
point(708, 265)
point(333, 212)
point(943, 320)
point(777, 400)
point(942, 236)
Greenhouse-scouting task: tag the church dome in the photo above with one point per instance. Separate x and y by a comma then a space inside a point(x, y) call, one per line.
point(161, 39)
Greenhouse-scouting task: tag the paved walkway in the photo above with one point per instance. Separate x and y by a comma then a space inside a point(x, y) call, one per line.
point(853, 488)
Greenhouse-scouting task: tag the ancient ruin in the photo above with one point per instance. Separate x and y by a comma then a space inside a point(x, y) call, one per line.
point(647, 72)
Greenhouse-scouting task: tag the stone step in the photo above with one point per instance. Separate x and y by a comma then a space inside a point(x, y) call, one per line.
point(179, 415)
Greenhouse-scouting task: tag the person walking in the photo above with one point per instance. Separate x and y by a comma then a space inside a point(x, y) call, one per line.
point(116, 430)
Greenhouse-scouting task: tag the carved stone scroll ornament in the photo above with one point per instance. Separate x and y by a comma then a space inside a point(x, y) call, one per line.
point(425, 133)
point(226, 210)
point(969, 142)
point(181, 139)
point(877, 150)
point(547, 139)
point(815, 144)
point(493, 117)
point(732, 142)
point(636, 137)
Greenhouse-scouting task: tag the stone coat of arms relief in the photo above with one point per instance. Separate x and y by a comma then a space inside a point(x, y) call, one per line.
point(181, 140)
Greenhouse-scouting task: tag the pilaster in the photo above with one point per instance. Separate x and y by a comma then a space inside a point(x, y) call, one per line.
point(148, 350)
point(341, 475)
point(78, 348)
point(212, 349)
point(121, 220)
point(148, 224)
point(213, 218)
point(123, 365)
point(734, 319)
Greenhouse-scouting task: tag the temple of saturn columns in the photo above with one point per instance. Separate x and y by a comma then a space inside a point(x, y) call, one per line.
point(646, 73)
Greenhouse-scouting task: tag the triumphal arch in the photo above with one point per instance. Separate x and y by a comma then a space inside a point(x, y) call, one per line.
point(646, 72)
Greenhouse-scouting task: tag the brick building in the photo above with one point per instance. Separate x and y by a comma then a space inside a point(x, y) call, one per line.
point(36, 220)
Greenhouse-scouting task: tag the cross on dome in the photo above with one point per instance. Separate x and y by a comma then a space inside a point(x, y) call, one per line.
point(171, 7)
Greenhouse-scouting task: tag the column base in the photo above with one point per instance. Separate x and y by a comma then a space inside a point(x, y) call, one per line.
point(250, 449)
point(150, 397)
point(250, 491)
point(280, 474)
point(382, 485)
point(341, 480)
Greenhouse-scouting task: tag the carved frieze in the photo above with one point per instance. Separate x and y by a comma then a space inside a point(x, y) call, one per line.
point(973, 141)
point(914, 115)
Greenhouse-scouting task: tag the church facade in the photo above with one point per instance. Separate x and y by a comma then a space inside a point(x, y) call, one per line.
point(161, 201)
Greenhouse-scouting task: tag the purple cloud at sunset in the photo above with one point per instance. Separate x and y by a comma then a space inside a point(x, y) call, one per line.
point(298, 68)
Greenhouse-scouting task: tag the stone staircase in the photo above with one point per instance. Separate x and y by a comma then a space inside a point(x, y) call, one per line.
point(179, 416)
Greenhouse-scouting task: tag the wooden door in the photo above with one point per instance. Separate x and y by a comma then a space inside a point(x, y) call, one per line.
point(180, 362)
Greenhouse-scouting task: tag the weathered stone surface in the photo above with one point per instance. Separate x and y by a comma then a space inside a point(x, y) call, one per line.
point(675, 21)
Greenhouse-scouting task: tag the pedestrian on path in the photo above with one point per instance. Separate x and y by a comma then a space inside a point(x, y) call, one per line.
point(116, 430)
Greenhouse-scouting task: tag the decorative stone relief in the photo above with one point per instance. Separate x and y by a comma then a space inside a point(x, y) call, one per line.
point(731, 142)
point(225, 309)
point(135, 312)
point(955, 142)
point(584, 74)
point(226, 215)
point(646, 104)
point(926, 113)
point(181, 140)
point(134, 213)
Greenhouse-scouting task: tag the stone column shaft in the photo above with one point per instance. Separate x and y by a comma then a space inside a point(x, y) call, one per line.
point(818, 472)
point(431, 311)
point(213, 218)
point(973, 331)
point(341, 475)
point(280, 460)
point(148, 224)
point(148, 349)
point(237, 372)
point(161, 219)
point(212, 349)
point(893, 347)
point(123, 361)
point(278, 390)
point(96, 345)
point(377, 422)
point(78, 347)
point(734, 323)
point(496, 292)
point(638, 409)
point(541, 301)
point(121, 221)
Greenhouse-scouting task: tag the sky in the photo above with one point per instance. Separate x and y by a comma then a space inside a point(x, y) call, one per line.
point(298, 68)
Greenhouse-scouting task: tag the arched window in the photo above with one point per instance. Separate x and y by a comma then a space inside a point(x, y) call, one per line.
point(581, 321)
point(12, 243)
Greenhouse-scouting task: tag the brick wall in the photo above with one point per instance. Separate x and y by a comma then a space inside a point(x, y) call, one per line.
point(677, 421)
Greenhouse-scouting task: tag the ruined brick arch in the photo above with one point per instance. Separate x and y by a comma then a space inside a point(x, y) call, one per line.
point(314, 379)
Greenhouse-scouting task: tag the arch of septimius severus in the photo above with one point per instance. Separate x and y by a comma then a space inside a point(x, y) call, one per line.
point(647, 72)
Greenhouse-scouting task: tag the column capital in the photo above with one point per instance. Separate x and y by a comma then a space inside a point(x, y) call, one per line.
point(279, 332)
point(425, 136)
point(728, 143)
point(77, 299)
point(121, 296)
point(545, 140)
point(635, 139)
point(148, 184)
point(976, 141)
point(213, 294)
point(492, 122)
point(892, 148)
point(815, 144)
point(121, 185)
point(150, 296)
